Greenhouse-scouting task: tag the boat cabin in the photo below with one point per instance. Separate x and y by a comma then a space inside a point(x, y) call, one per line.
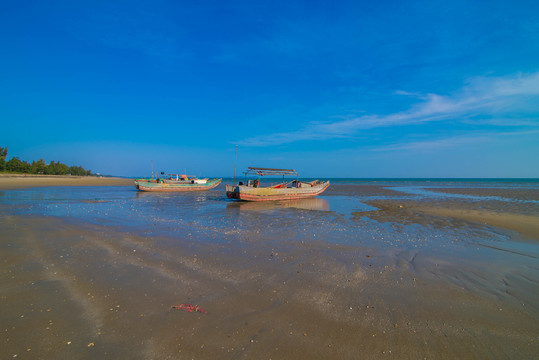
point(261, 172)
point(180, 178)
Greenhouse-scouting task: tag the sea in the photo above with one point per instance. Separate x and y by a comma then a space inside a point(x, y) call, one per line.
point(346, 200)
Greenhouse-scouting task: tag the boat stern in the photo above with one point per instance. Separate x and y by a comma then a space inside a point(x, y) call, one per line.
point(232, 192)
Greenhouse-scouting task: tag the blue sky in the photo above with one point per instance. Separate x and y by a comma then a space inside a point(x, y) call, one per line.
point(341, 89)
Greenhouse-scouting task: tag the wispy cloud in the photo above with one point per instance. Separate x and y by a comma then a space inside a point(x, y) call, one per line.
point(436, 144)
point(459, 140)
point(483, 98)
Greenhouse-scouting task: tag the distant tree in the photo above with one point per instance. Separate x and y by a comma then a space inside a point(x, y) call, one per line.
point(16, 165)
point(3, 155)
point(62, 169)
point(38, 167)
point(56, 168)
point(77, 170)
point(49, 169)
point(26, 167)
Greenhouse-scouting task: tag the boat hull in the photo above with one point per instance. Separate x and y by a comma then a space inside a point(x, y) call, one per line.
point(175, 186)
point(248, 193)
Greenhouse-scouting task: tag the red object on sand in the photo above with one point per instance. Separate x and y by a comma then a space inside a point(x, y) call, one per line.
point(189, 308)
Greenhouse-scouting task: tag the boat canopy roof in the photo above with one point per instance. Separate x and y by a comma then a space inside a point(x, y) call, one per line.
point(268, 171)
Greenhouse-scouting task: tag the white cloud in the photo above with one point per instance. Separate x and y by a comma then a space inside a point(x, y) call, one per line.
point(436, 144)
point(455, 141)
point(482, 97)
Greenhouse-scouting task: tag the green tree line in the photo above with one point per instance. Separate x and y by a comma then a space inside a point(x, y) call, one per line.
point(15, 165)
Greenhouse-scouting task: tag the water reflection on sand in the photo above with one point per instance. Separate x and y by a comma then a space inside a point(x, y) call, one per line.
point(304, 204)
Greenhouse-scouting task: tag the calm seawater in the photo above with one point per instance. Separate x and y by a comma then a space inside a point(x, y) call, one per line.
point(210, 216)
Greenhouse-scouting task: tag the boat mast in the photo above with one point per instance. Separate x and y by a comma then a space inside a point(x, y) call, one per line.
point(235, 156)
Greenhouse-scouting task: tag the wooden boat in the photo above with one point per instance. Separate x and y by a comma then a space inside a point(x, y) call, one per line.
point(251, 190)
point(176, 182)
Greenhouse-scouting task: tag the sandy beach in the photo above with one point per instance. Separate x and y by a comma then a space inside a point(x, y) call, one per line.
point(440, 279)
point(21, 181)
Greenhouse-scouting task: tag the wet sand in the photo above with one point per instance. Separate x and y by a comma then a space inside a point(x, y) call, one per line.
point(519, 194)
point(523, 221)
point(72, 289)
point(18, 181)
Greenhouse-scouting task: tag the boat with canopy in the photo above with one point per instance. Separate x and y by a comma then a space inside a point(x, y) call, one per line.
point(252, 189)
